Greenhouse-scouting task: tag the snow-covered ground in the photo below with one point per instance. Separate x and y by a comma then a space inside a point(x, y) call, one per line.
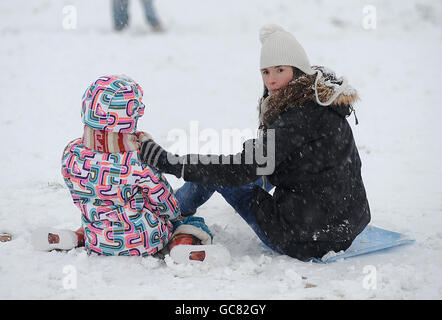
point(205, 69)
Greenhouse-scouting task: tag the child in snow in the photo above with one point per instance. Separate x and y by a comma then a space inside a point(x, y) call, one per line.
point(126, 207)
point(319, 203)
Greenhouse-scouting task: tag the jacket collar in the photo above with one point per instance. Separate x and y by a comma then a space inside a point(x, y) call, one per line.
point(300, 91)
point(109, 142)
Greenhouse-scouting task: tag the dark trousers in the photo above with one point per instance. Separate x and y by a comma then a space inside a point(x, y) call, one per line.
point(192, 195)
point(121, 16)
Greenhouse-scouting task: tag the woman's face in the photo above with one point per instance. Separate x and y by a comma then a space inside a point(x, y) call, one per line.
point(277, 77)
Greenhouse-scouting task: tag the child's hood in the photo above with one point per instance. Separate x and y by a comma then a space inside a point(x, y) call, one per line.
point(113, 103)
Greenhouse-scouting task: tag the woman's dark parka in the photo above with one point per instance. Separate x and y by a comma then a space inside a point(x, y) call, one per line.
point(319, 203)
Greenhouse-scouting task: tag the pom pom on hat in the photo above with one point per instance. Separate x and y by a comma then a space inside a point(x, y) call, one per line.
point(280, 48)
point(267, 30)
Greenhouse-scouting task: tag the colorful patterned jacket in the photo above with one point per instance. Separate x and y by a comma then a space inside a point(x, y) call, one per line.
point(126, 206)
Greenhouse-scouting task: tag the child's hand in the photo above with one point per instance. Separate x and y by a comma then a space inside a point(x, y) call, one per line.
point(143, 136)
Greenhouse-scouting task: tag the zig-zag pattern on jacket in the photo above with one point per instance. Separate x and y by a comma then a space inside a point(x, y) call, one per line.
point(126, 207)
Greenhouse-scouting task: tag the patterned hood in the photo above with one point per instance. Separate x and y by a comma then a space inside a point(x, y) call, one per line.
point(112, 103)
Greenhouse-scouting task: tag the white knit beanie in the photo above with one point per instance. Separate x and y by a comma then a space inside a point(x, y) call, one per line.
point(280, 48)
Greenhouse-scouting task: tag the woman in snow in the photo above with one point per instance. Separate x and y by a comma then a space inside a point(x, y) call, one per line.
point(319, 203)
point(127, 208)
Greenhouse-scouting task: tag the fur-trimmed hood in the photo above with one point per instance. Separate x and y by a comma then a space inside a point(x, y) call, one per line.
point(323, 87)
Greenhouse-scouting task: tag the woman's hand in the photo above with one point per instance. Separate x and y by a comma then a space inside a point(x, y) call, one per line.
point(155, 156)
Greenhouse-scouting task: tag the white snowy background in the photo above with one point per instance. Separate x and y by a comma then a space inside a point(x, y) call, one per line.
point(205, 69)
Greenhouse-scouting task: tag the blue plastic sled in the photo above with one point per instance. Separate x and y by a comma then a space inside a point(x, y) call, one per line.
point(372, 239)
